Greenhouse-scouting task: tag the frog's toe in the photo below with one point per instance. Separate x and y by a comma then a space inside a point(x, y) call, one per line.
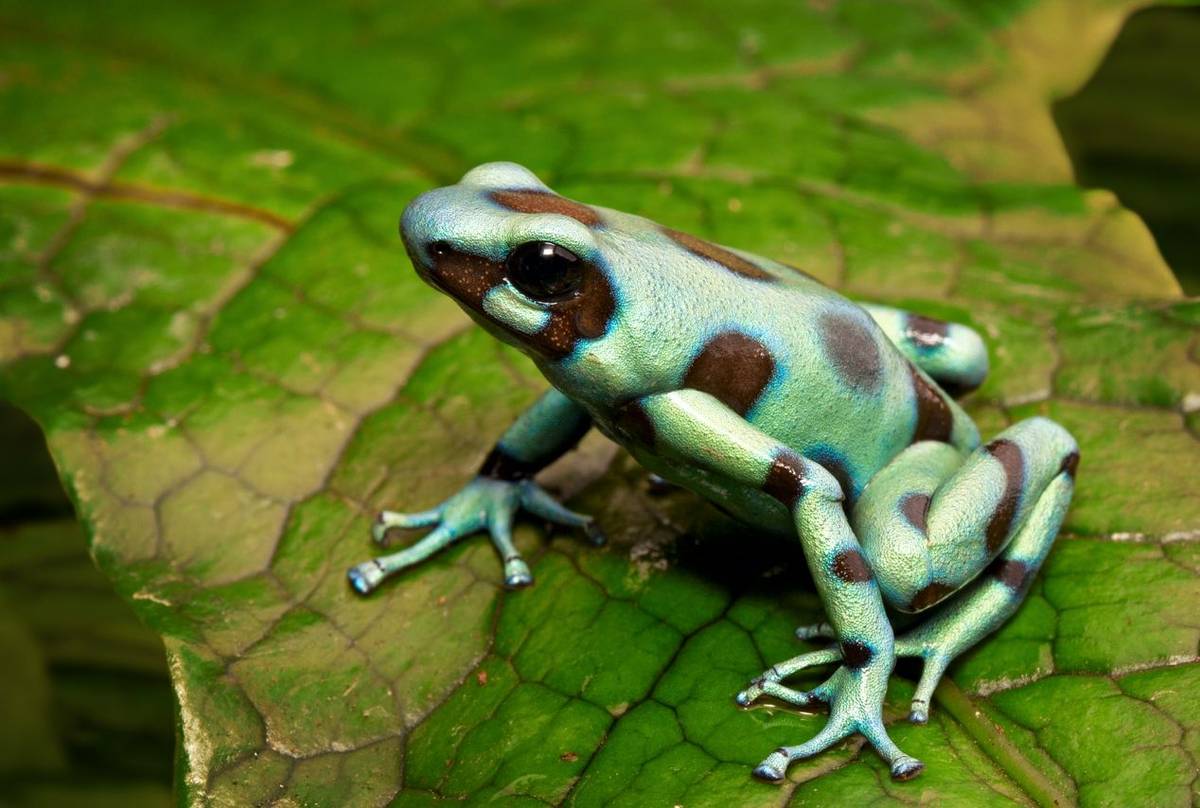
point(595, 535)
point(517, 574)
point(815, 631)
point(774, 768)
point(919, 714)
point(906, 768)
point(366, 576)
point(386, 520)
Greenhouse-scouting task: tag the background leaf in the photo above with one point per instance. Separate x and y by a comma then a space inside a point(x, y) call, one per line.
point(206, 309)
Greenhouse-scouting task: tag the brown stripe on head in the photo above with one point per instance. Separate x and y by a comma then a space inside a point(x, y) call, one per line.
point(529, 201)
point(733, 368)
point(730, 261)
point(1012, 461)
point(934, 419)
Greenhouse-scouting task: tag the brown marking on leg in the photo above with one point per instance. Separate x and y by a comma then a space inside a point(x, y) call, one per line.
point(915, 508)
point(733, 368)
point(1069, 464)
point(635, 423)
point(785, 478)
point(851, 567)
point(855, 654)
point(1013, 574)
point(1013, 462)
point(719, 255)
point(929, 595)
point(528, 201)
point(851, 348)
point(934, 419)
point(500, 465)
point(925, 332)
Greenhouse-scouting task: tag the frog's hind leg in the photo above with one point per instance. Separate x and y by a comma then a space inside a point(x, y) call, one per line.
point(929, 524)
point(953, 354)
point(982, 607)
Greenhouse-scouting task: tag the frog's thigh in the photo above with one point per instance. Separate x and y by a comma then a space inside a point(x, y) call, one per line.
point(931, 520)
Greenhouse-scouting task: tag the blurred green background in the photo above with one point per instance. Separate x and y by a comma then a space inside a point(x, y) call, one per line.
point(88, 715)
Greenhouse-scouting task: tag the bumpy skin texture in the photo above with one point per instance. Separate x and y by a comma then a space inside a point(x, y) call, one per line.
point(753, 385)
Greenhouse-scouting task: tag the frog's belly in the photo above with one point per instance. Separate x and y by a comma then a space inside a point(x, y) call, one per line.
point(749, 505)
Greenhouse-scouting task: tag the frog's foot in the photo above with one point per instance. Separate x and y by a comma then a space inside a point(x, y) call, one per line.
point(768, 682)
point(815, 631)
point(484, 504)
point(855, 697)
point(936, 662)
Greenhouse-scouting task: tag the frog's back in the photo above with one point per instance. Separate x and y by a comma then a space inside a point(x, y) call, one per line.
point(801, 362)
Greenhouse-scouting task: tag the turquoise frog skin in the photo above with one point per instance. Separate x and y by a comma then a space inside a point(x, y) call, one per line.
point(782, 402)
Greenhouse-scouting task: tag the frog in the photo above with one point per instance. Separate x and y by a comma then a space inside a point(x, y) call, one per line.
point(798, 411)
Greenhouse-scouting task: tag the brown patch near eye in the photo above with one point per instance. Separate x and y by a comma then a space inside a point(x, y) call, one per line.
point(915, 508)
point(785, 478)
point(851, 567)
point(852, 350)
point(733, 368)
point(546, 202)
point(468, 278)
point(929, 595)
point(925, 331)
point(1013, 462)
point(731, 261)
point(1012, 574)
point(934, 419)
point(1069, 464)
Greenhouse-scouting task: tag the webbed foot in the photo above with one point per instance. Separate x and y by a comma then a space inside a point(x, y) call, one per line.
point(483, 504)
point(855, 698)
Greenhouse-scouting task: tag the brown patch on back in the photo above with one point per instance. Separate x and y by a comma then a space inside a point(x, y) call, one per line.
point(852, 350)
point(526, 201)
point(1013, 462)
point(851, 567)
point(915, 508)
point(731, 261)
point(733, 368)
point(929, 595)
point(925, 331)
point(1013, 574)
point(785, 478)
point(934, 419)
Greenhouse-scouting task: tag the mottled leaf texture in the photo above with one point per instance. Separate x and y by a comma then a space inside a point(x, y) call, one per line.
point(204, 304)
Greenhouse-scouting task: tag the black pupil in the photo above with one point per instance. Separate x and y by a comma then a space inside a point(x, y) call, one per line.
point(543, 270)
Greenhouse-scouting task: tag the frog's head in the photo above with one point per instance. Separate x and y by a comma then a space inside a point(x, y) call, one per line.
point(523, 261)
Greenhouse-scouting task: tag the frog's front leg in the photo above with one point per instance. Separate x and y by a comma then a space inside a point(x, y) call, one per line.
point(490, 502)
point(953, 355)
point(697, 428)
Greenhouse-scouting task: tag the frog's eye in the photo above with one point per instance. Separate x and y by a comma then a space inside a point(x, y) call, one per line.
point(544, 271)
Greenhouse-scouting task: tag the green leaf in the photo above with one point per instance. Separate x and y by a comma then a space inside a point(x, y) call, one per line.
point(204, 305)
